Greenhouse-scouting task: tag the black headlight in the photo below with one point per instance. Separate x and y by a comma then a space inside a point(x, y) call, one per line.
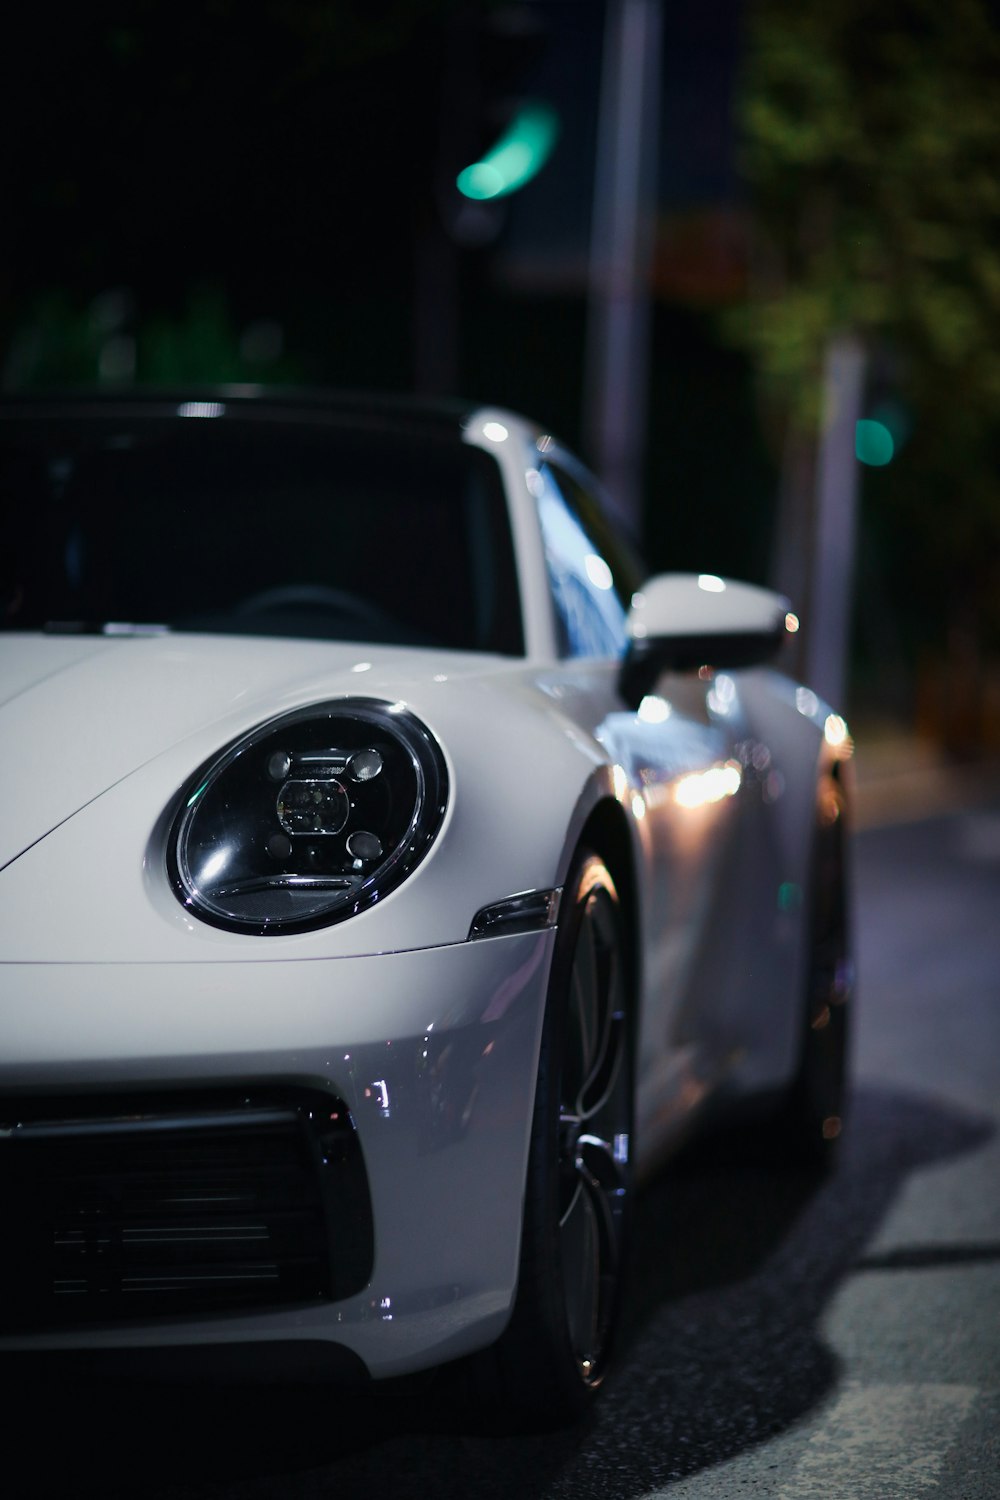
point(309, 818)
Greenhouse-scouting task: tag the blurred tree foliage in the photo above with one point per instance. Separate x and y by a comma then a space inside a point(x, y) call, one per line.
point(871, 144)
point(62, 343)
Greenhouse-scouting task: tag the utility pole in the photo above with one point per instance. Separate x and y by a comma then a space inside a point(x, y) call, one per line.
point(817, 523)
point(832, 563)
point(619, 302)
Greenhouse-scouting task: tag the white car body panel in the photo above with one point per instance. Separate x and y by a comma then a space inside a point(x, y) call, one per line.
point(107, 981)
point(474, 1007)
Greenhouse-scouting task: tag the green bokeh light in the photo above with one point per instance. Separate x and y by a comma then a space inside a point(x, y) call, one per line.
point(519, 154)
point(789, 896)
point(873, 443)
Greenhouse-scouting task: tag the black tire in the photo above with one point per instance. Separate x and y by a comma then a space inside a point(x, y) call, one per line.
point(812, 1121)
point(555, 1352)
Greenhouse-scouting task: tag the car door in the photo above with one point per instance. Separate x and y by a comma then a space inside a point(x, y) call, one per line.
point(681, 754)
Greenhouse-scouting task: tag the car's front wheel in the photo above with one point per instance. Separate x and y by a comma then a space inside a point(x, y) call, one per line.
point(555, 1352)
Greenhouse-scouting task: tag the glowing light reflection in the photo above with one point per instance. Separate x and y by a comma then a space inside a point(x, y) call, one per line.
point(711, 583)
point(834, 730)
point(201, 409)
point(722, 697)
point(703, 787)
point(806, 702)
point(495, 431)
point(598, 571)
point(654, 710)
point(214, 865)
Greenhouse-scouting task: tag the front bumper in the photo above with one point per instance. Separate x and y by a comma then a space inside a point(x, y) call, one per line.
point(433, 1051)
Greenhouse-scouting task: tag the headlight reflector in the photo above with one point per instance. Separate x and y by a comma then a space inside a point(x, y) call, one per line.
point(309, 818)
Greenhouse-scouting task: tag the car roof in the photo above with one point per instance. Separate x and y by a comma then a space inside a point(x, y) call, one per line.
point(433, 417)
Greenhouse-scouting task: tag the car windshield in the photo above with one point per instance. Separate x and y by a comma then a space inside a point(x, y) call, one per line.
point(258, 527)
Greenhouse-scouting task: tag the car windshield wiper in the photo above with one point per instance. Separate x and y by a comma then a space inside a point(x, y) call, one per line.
point(104, 627)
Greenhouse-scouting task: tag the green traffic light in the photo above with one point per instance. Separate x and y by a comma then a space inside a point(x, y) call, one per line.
point(519, 154)
point(873, 444)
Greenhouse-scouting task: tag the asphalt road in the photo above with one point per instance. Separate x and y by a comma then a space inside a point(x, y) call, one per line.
point(782, 1342)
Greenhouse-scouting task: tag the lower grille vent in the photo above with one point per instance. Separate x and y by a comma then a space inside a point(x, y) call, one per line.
point(147, 1212)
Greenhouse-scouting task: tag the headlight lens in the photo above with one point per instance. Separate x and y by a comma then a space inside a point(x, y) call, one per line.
point(309, 818)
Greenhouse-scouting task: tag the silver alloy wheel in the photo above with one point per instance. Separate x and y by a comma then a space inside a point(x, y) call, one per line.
point(595, 1108)
point(555, 1351)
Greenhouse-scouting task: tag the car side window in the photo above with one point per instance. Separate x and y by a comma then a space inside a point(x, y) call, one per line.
point(587, 597)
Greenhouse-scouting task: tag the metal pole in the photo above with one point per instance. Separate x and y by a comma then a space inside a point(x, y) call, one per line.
point(832, 562)
point(617, 356)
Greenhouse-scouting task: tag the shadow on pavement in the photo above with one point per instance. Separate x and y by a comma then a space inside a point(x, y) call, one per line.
point(734, 1266)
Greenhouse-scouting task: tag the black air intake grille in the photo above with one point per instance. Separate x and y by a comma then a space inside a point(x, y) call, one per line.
point(143, 1211)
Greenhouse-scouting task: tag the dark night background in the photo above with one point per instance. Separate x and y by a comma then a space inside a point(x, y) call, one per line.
point(266, 194)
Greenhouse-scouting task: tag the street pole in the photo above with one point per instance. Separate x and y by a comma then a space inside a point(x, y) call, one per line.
point(619, 303)
point(828, 627)
point(814, 545)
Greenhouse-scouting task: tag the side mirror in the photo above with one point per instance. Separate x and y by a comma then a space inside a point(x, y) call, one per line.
point(682, 621)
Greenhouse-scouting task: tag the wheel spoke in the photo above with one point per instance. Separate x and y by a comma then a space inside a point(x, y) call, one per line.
point(580, 1252)
point(584, 1019)
point(596, 1015)
point(594, 1122)
point(601, 1087)
point(589, 1239)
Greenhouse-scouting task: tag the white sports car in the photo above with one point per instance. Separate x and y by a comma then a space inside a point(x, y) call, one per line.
point(384, 880)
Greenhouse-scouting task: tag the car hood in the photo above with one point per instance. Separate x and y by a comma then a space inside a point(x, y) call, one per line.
point(79, 714)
